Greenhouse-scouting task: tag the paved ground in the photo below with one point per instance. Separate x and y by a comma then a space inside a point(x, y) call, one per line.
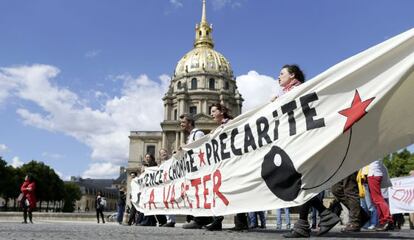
point(42, 229)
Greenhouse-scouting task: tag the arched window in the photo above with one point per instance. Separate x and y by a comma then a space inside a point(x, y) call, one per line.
point(212, 84)
point(194, 83)
point(179, 85)
point(226, 85)
point(193, 110)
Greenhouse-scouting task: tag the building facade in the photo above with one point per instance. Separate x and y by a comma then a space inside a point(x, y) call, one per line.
point(201, 78)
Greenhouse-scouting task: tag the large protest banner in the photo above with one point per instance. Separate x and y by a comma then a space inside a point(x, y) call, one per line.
point(287, 151)
point(401, 195)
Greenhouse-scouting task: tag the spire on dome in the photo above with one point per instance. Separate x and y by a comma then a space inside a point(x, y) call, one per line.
point(203, 31)
point(203, 14)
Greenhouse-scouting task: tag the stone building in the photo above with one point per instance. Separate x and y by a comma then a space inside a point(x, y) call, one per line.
point(108, 187)
point(201, 77)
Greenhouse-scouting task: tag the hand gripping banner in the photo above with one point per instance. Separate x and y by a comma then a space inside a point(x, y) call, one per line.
point(287, 151)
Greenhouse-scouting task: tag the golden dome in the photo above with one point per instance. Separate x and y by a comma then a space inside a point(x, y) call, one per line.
point(203, 58)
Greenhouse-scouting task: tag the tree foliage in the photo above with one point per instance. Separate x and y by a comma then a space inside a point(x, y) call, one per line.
point(72, 193)
point(399, 163)
point(9, 180)
point(49, 186)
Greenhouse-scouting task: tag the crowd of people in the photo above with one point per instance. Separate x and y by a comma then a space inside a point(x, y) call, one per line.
point(360, 192)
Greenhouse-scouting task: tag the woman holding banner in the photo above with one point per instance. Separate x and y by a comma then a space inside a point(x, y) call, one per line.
point(221, 115)
point(291, 76)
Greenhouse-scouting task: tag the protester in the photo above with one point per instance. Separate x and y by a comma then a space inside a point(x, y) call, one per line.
point(365, 198)
point(321, 195)
point(279, 218)
point(28, 197)
point(134, 198)
point(346, 191)
point(187, 124)
point(99, 206)
point(291, 76)
point(121, 205)
point(163, 157)
point(151, 220)
point(221, 115)
point(253, 222)
point(378, 178)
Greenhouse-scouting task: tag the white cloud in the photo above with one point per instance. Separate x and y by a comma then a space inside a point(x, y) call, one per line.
point(3, 148)
point(176, 3)
point(101, 170)
point(16, 162)
point(92, 53)
point(62, 176)
point(105, 130)
point(256, 89)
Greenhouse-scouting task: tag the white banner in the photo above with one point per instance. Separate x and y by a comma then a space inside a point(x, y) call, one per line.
point(287, 151)
point(401, 195)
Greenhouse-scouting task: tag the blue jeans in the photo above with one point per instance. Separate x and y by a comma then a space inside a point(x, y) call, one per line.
point(120, 214)
point(253, 218)
point(279, 217)
point(369, 207)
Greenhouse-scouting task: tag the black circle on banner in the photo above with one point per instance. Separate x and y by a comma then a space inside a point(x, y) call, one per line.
point(283, 180)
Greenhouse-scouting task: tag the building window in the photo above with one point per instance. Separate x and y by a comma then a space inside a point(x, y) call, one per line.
point(151, 149)
point(212, 84)
point(193, 110)
point(194, 83)
point(226, 85)
point(175, 114)
point(179, 85)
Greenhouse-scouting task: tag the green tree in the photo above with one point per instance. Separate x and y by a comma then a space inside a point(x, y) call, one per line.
point(399, 163)
point(71, 194)
point(48, 183)
point(9, 181)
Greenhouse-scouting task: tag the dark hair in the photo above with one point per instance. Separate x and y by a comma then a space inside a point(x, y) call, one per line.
point(295, 69)
point(189, 118)
point(151, 162)
point(223, 109)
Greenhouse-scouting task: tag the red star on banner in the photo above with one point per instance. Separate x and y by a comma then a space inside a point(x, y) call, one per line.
point(201, 157)
point(356, 111)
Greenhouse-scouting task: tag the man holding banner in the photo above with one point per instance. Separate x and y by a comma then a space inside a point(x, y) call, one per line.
point(187, 124)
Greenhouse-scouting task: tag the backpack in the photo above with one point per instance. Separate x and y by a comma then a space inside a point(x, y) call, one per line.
point(102, 203)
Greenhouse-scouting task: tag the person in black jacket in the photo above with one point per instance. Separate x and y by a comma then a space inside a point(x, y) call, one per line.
point(99, 206)
point(121, 205)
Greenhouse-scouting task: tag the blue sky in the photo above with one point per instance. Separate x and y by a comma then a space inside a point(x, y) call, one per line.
point(76, 76)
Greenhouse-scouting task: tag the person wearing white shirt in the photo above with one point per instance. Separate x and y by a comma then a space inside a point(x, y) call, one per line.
point(187, 124)
point(376, 175)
